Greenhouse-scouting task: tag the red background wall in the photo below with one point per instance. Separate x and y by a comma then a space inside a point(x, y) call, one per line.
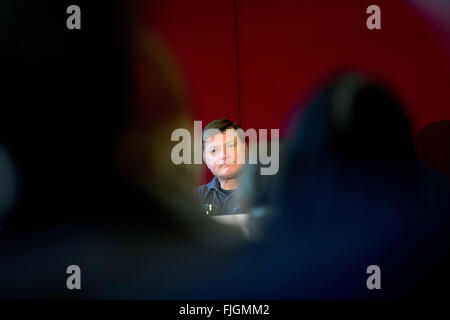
point(255, 61)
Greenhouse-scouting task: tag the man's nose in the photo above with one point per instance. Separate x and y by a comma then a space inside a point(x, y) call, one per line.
point(228, 155)
point(223, 154)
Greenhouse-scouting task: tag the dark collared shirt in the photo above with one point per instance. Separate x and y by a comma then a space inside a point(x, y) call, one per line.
point(216, 202)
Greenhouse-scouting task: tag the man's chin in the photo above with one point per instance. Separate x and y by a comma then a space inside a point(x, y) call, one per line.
point(228, 174)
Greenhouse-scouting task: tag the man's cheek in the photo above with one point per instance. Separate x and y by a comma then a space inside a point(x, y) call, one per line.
point(210, 165)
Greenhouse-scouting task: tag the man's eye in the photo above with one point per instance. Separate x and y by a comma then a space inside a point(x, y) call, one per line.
point(231, 145)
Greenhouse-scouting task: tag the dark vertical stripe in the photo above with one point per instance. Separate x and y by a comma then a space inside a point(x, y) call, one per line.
point(238, 77)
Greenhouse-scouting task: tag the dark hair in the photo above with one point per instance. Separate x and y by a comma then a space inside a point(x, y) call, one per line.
point(221, 125)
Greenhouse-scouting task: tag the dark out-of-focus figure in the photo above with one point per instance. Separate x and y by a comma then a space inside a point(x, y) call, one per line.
point(351, 193)
point(88, 115)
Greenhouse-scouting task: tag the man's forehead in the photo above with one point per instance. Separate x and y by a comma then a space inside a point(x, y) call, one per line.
point(227, 135)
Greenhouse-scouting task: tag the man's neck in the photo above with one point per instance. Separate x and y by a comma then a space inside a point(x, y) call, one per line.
point(229, 184)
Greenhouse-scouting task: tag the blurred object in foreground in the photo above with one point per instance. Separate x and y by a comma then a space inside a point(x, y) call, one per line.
point(352, 194)
point(108, 198)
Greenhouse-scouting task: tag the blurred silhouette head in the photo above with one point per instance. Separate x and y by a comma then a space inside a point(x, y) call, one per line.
point(356, 119)
point(348, 147)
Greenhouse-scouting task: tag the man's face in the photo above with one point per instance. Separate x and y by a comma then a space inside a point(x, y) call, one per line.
point(224, 154)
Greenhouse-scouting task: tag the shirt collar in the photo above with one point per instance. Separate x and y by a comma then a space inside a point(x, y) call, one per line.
point(214, 184)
